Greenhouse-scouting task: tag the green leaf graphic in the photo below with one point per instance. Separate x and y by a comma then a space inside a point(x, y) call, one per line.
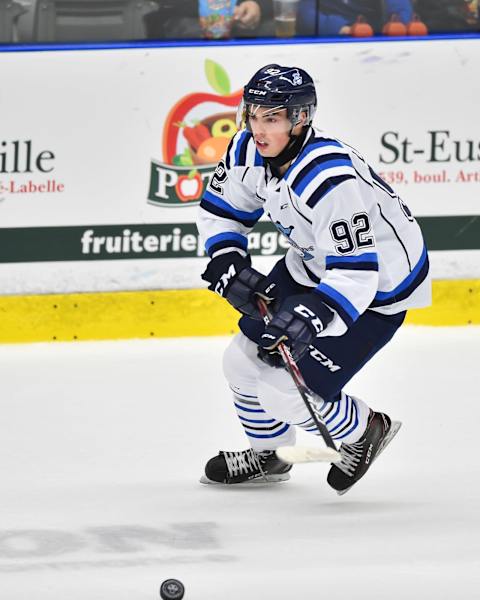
point(217, 77)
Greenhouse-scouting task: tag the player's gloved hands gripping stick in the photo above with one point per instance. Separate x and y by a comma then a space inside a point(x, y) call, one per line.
point(300, 319)
point(231, 276)
point(294, 454)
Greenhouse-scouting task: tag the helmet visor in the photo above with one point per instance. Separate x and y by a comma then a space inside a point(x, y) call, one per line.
point(268, 119)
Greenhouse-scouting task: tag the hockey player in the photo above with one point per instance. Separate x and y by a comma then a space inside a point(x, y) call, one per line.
point(357, 261)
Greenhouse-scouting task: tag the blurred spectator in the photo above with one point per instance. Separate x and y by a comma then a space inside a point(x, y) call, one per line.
point(9, 16)
point(248, 14)
point(445, 16)
point(336, 17)
point(175, 19)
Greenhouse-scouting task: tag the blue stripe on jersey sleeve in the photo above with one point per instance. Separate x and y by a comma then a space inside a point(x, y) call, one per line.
point(338, 302)
point(210, 202)
point(241, 149)
point(315, 168)
point(226, 240)
point(407, 286)
point(360, 262)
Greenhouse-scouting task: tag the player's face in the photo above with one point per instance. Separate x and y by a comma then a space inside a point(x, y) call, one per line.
point(270, 129)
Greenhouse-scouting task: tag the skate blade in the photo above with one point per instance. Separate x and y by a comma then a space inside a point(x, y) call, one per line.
point(342, 492)
point(305, 454)
point(394, 429)
point(260, 481)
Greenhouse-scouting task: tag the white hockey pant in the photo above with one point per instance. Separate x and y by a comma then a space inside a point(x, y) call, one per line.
point(269, 406)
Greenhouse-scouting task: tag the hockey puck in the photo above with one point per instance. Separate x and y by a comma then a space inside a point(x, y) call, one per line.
point(172, 589)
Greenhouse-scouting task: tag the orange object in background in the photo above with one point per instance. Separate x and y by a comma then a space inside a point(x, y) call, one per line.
point(394, 27)
point(416, 27)
point(212, 149)
point(472, 8)
point(361, 28)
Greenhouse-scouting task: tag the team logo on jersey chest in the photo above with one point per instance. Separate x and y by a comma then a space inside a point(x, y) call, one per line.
point(305, 253)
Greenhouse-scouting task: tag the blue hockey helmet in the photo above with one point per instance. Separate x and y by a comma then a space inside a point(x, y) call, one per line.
point(280, 88)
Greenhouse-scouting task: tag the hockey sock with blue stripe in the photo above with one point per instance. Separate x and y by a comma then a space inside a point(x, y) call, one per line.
point(346, 419)
point(263, 431)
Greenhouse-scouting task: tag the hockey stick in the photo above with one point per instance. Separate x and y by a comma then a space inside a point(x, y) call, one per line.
point(299, 454)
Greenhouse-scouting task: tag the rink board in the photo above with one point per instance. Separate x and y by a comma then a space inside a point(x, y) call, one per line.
point(95, 195)
point(98, 236)
point(178, 313)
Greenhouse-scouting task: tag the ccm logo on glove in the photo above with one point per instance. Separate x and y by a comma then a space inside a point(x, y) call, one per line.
point(306, 313)
point(231, 276)
point(298, 322)
point(225, 280)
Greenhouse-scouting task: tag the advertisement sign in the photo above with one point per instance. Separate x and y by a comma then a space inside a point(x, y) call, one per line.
point(196, 133)
point(110, 161)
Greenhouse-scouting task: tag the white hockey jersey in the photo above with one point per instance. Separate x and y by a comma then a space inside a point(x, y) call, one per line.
point(352, 238)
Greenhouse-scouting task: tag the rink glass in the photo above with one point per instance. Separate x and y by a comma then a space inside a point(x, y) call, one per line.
point(216, 18)
point(285, 13)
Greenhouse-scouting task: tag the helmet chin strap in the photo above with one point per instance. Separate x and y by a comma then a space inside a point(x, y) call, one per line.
point(290, 151)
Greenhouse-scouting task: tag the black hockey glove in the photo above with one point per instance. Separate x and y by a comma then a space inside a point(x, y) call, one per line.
point(272, 358)
point(297, 323)
point(231, 276)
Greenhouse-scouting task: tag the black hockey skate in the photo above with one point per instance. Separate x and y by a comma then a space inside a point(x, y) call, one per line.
point(246, 466)
point(358, 457)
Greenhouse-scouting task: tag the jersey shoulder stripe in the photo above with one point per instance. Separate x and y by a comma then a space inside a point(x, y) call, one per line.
point(228, 153)
point(242, 152)
point(316, 166)
point(323, 164)
point(241, 149)
point(315, 146)
point(328, 185)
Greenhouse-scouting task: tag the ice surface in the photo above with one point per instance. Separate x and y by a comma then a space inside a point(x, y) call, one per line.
point(102, 445)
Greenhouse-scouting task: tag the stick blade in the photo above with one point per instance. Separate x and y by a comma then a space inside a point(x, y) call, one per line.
point(306, 454)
